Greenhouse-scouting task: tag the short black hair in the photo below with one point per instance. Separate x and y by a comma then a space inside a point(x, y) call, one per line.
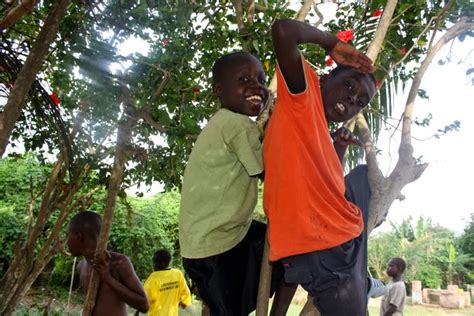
point(161, 259)
point(400, 263)
point(86, 222)
point(218, 70)
point(342, 68)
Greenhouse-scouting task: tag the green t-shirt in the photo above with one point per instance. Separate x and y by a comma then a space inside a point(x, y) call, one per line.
point(219, 190)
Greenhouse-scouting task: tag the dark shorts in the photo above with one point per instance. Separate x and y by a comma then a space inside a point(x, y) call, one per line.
point(337, 277)
point(228, 282)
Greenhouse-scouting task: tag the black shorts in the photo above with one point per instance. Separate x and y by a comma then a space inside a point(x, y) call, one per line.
point(337, 277)
point(228, 282)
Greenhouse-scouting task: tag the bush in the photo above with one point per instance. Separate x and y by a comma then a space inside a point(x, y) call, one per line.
point(12, 227)
point(144, 226)
point(428, 274)
point(18, 175)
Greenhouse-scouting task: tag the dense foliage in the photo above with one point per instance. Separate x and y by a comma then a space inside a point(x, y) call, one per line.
point(141, 226)
point(168, 70)
point(21, 178)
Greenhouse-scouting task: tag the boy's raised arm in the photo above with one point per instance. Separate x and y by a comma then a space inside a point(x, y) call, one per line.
point(288, 34)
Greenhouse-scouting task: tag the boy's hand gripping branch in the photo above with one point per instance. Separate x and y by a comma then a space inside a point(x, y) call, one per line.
point(344, 137)
point(101, 265)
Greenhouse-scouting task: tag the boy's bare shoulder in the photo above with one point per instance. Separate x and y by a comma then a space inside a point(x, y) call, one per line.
point(118, 256)
point(119, 261)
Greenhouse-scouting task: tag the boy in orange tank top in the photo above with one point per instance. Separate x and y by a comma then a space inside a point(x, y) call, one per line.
point(325, 247)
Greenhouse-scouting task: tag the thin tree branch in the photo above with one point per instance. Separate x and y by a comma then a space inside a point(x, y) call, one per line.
point(250, 11)
point(16, 13)
point(460, 27)
point(319, 14)
point(382, 29)
point(239, 13)
point(438, 20)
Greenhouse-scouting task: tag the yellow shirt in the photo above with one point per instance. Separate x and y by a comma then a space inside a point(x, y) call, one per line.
point(165, 289)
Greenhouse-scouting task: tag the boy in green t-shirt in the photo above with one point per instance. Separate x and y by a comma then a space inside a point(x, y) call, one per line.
point(222, 247)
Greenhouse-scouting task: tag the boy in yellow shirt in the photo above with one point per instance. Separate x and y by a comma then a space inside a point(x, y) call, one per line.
point(166, 288)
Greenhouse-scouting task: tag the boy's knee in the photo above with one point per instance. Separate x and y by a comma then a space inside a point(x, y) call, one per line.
point(361, 171)
point(348, 299)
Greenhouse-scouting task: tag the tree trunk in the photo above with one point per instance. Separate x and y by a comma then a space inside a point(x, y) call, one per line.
point(407, 170)
point(27, 75)
point(124, 137)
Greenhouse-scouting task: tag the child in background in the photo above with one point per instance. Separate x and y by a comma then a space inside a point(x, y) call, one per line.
point(166, 288)
point(119, 284)
point(393, 301)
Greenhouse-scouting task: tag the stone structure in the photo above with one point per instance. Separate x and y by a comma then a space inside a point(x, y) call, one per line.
point(452, 297)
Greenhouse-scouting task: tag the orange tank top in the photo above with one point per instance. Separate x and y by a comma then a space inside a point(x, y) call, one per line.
point(304, 181)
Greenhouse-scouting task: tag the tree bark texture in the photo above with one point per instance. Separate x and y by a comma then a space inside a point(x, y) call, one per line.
point(27, 74)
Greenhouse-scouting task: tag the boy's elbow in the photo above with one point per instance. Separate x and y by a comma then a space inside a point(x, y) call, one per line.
point(280, 29)
point(144, 306)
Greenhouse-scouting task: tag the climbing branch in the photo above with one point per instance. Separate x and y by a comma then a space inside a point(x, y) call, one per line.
point(124, 136)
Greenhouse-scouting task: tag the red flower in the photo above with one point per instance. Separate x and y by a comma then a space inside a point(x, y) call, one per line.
point(377, 12)
point(403, 51)
point(54, 99)
point(345, 36)
point(377, 83)
point(329, 62)
point(165, 42)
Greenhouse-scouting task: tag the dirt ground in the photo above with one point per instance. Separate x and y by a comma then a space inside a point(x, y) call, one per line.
point(39, 303)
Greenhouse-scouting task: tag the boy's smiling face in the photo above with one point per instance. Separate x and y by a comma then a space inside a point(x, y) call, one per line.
point(345, 94)
point(242, 88)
